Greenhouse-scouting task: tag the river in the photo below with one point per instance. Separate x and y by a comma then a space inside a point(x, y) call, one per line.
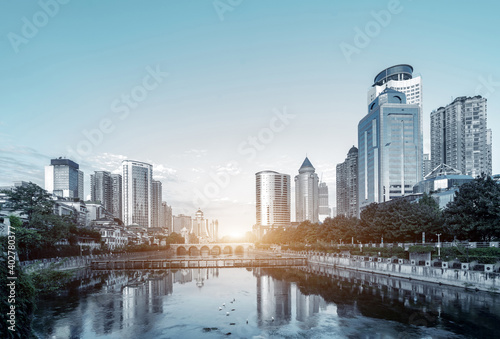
point(262, 303)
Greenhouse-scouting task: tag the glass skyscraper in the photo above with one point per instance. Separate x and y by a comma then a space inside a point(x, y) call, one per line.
point(390, 140)
point(64, 179)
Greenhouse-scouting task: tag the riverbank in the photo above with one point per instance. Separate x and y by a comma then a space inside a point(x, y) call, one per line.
point(473, 280)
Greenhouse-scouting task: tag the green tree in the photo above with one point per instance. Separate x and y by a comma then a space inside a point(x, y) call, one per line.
point(31, 199)
point(474, 214)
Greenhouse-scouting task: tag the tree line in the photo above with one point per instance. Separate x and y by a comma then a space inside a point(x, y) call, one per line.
point(473, 215)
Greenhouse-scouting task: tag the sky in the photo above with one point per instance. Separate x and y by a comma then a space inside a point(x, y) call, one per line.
point(211, 92)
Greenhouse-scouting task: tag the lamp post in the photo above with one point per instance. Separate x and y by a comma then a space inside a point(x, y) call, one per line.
point(439, 246)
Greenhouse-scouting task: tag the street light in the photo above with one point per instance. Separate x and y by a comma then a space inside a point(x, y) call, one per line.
point(439, 246)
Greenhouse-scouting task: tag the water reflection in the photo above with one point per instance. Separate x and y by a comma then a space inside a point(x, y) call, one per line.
point(312, 302)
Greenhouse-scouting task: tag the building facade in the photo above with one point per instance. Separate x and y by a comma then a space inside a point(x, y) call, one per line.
point(64, 179)
point(101, 189)
point(116, 182)
point(181, 221)
point(347, 185)
point(272, 200)
point(390, 140)
point(324, 206)
point(137, 195)
point(156, 203)
point(460, 136)
point(166, 216)
point(306, 193)
point(399, 78)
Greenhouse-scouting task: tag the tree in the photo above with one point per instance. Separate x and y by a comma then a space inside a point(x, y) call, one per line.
point(474, 214)
point(31, 199)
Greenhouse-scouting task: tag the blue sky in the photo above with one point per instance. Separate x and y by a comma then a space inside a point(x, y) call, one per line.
point(226, 80)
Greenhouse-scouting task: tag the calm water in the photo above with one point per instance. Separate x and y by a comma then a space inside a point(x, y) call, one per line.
point(277, 303)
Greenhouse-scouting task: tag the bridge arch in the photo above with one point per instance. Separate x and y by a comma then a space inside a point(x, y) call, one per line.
point(215, 250)
point(205, 251)
point(239, 250)
point(181, 250)
point(194, 251)
point(228, 250)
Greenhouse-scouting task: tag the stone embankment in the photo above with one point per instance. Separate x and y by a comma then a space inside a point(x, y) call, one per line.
point(462, 277)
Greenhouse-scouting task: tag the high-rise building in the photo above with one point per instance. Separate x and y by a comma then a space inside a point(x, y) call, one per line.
point(390, 142)
point(166, 216)
point(306, 193)
point(399, 78)
point(64, 179)
point(116, 182)
point(426, 164)
point(156, 203)
point(324, 206)
point(272, 200)
point(181, 221)
point(347, 185)
point(101, 189)
point(460, 136)
point(137, 178)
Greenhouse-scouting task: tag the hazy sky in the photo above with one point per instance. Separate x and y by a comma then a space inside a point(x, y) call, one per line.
point(212, 92)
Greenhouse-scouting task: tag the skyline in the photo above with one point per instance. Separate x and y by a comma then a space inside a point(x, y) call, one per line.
point(96, 66)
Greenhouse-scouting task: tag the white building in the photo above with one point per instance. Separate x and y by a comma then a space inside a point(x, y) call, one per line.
point(400, 78)
point(272, 200)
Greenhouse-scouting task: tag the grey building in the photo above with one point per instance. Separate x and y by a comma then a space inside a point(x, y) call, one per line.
point(64, 179)
point(460, 136)
point(390, 141)
point(101, 189)
point(442, 183)
point(116, 182)
point(306, 193)
point(272, 200)
point(156, 203)
point(347, 185)
point(324, 206)
point(166, 216)
point(181, 221)
point(137, 195)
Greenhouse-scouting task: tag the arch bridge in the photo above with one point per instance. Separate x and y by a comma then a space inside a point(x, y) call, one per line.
point(211, 248)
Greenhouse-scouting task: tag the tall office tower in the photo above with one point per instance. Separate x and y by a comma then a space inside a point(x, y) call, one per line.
point(324, 207)
point(101, 189)
point(156, 204)
point(181, 221)
point(306, 193)
point(460, 137)
point(347, 185)
point(64, 179)
point(116, 183)
point(166, 219)
point(426, 165)
point(390, 149)
point(399, 78)
point(200, 225)
point(137, 183)
point(272, 200)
